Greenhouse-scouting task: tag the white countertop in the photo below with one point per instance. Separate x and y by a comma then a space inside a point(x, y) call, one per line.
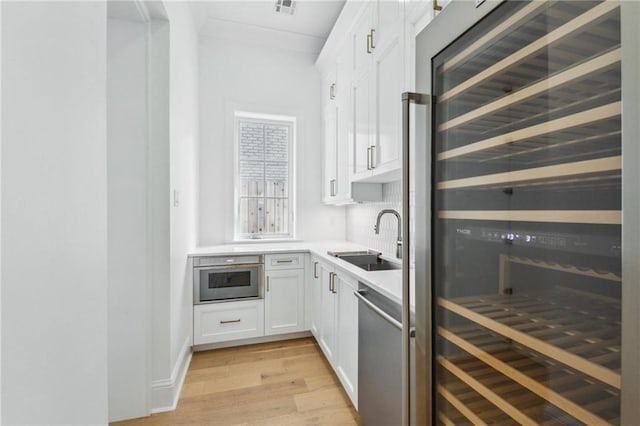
point(389, 283)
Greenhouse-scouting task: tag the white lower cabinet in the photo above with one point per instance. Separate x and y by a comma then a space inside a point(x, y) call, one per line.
point(347, 335)
point(284, 301)
point(334, 322)
point(327, 339)
point(281, 311)
point(315, 291)
point(220, 322)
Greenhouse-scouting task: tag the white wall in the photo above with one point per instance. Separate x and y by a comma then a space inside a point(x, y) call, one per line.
point(127, 144)
point(171, 286)
point(54, 213)
point(362, 217)
point(183, 172)
point(265, 80)
point(0, 212)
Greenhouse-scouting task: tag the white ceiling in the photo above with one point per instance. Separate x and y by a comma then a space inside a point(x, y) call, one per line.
point(257, 21)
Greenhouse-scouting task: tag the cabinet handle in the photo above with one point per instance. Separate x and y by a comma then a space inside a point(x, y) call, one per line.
point(229, 321)
point(436, 6)
point(285, 261)
point(332, 185)
point(374, 161)
point(333, 287)
point(315, 269)
point(267, 283)
point(331, 282)
point(332, 91)
point(369, 41)
point(371, 154)
point(369, 158)
point(373, 46)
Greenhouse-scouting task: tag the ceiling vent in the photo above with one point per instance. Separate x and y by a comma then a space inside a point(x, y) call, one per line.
point(285, 6)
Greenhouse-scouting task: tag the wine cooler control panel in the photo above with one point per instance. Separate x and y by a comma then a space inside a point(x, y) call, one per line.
point(585, 244)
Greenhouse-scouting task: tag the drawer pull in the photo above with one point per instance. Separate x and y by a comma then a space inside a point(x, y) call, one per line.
point(284, 261)
point(229, 321)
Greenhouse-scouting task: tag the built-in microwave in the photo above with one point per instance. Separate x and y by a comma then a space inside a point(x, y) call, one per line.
point(224, 278)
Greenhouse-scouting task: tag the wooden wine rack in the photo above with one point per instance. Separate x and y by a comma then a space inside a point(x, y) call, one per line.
point(535, 110)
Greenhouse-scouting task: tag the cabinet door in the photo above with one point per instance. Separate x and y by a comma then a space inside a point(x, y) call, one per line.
point(316, 295)
point(284, 301)
point(347, 334)
point(344, 121)
point(386, 21)
point(361, 126)
point(330, 145)
point(388, 129)
point(328, 314)
point(361, 45)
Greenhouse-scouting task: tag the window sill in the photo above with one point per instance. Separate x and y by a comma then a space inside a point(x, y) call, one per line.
point(264, 240)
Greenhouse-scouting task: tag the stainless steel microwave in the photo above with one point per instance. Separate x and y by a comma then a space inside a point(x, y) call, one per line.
point(224, 278)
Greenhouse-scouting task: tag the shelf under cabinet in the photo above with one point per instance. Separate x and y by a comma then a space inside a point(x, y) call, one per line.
point(578, 330)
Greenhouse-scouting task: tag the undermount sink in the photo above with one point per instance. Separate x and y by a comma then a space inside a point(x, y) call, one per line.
point(368, 260)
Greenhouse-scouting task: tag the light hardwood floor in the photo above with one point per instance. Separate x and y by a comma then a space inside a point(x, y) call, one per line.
point(279, 383)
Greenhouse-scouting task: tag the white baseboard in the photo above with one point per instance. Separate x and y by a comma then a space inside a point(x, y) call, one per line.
point(252, 341)
point(165, 393)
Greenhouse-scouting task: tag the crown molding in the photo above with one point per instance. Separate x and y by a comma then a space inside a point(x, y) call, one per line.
point(261, 36)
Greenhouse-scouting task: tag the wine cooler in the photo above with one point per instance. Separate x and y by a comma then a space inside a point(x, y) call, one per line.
point(521, 292)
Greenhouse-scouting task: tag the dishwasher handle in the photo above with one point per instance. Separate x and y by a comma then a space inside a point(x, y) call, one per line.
point(360, 295)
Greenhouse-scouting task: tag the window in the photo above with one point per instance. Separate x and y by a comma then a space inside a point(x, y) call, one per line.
point(264, 176)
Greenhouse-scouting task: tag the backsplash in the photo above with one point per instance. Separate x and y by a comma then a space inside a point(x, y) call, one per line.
point(361, 219)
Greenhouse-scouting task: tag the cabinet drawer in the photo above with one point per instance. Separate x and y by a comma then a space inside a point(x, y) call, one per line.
point(225, 260)
point(284, 261)
point(219, 322)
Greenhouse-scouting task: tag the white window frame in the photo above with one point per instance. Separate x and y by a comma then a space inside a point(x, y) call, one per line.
point(263, 118)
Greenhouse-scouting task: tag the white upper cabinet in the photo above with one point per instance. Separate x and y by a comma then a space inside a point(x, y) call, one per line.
point(362, 39)
point(388, 127)
point(344, 118)
point(387, 21)
point(339, 132)
point(330, 152)
point(362, 133)
point(330, 141)
point(377, 85)
point(370, 61)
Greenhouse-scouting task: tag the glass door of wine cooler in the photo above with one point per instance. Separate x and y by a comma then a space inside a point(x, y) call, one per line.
point(526, 217)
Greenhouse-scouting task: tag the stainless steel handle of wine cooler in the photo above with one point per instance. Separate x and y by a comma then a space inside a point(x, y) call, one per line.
point(407, 99)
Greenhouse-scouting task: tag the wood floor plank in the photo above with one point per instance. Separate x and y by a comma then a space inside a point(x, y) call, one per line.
point(277, 383)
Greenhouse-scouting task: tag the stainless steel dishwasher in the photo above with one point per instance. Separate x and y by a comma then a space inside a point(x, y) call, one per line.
point(379, 358)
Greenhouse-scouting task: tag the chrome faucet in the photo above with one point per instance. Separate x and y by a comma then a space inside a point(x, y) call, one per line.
point(399, 241)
